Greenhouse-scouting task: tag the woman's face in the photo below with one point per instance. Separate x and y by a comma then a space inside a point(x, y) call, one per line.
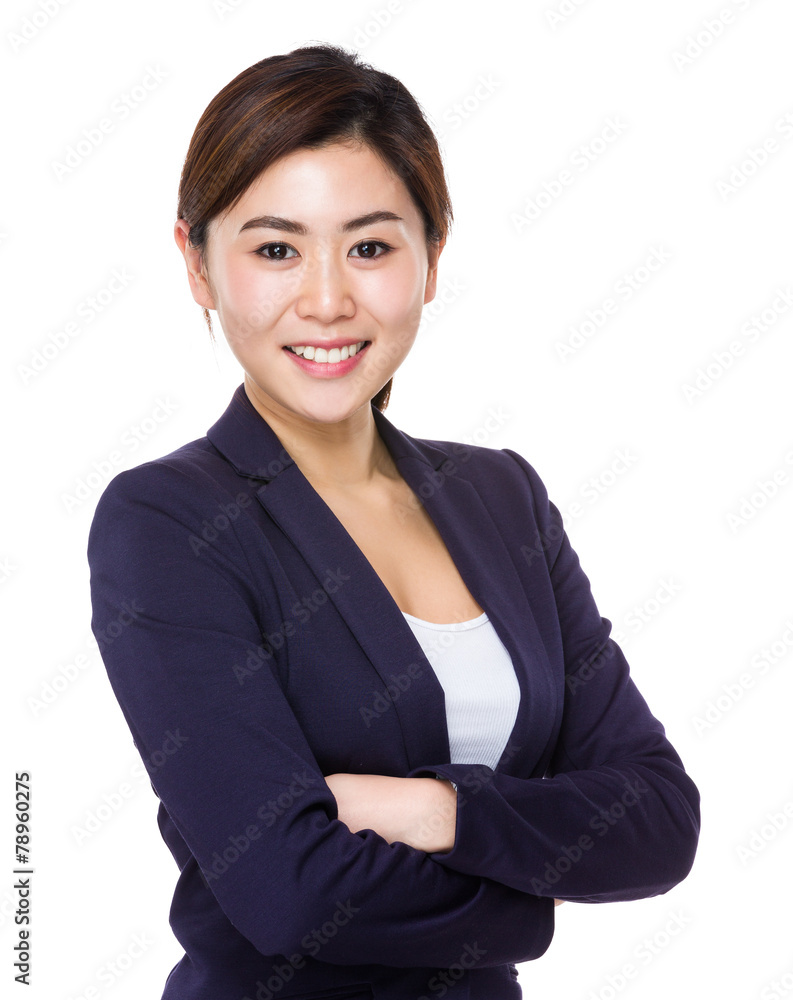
point(326, 249)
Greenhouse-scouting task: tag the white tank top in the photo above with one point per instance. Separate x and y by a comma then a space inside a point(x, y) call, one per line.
point(479, 684)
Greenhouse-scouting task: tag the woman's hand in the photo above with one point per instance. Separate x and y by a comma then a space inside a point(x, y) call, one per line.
point(421, 812)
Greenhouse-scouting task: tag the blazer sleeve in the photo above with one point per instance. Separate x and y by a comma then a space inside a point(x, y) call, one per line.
point(171, 626)
point(615, 817)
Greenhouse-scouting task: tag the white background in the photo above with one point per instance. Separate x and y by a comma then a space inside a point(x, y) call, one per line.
point(656, 524)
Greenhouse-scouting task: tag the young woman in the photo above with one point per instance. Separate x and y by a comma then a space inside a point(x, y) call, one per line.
point(384, 719)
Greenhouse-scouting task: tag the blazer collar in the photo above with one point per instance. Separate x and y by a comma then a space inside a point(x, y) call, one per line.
point(245, 438)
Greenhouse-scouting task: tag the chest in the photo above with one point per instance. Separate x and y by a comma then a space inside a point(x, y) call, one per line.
point(360, 688)
point(406, 550)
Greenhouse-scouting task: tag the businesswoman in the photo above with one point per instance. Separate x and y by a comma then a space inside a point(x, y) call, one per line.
point(384, 719)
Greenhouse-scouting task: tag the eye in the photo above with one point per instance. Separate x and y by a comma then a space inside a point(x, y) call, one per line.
point(275, 251)
point(368, 248)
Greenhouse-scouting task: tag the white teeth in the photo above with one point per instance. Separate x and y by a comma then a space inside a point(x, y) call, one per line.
point(331, 357)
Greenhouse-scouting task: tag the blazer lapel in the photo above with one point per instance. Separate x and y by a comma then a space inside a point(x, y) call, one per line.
point(479, 551)
point(476, 547)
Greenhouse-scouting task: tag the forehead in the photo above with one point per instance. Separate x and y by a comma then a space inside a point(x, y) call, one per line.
point(327, 186)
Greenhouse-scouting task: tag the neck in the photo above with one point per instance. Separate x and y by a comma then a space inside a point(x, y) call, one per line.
point(348, 454)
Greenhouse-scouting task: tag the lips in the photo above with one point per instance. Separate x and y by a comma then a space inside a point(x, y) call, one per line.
point(327, 355)
point(328, 368)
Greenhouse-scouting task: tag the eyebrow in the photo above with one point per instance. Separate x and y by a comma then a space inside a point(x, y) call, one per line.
point(300, 229)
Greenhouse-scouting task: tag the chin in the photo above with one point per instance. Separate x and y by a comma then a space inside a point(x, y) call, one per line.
point(324, 411)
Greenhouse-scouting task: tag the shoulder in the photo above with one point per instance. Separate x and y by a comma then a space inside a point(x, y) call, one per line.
point(187, 485)
point(511, 490)
point(492, 471)
point(195, 467)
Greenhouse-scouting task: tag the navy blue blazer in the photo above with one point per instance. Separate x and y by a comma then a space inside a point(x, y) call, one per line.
point(253, 649)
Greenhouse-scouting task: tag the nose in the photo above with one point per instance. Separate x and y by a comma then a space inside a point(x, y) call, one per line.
point(325, 293)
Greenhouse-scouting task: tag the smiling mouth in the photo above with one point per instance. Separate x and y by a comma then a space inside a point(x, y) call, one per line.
point(321, 355)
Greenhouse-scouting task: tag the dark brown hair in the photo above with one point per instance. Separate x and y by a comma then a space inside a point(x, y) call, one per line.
point(306, 99)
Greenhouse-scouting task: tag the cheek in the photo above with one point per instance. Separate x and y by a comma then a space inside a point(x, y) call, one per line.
point(399, 296)
point(252, 298)
point(245, 283)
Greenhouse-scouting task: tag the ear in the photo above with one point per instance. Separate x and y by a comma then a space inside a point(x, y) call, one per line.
point(194, 260)
point(433, 256)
